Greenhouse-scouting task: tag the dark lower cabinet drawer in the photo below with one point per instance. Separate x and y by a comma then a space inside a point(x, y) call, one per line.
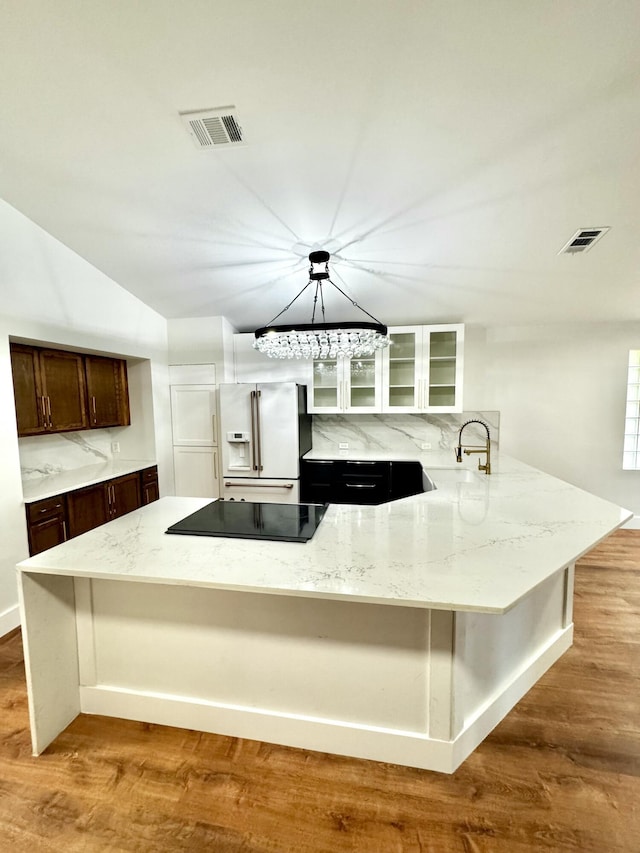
point(363, 482)
point(45, 508)
point(46, 523)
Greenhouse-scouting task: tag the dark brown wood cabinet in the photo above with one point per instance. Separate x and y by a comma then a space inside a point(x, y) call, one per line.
point(63, 385)
point(149, 484)
point(46, 523)
point(30, 406)
point(50, 391)
point(60, 391)
point(87, 508)
point(107, 391)
point(123, 494)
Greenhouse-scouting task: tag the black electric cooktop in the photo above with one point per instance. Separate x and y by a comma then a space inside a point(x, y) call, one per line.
point(244, 520)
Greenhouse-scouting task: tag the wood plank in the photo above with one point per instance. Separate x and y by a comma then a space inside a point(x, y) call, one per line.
point(560, 773)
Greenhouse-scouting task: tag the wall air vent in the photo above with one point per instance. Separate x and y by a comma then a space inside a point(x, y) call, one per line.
point(218, 128)
point(583, 240)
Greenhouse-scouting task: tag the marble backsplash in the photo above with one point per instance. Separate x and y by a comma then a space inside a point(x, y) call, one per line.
point(401, 433)
point(52, 454)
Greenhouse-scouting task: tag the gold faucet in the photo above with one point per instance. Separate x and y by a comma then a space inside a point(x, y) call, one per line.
point(472, 449)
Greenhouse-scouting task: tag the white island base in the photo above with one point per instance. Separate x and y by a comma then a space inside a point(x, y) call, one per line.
point(408, 685)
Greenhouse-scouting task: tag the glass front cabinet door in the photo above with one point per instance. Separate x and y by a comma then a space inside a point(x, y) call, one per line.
point(347, 385)
point(422, 369)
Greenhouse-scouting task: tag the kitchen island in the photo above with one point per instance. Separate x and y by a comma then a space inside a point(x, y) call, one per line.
point(402, 632)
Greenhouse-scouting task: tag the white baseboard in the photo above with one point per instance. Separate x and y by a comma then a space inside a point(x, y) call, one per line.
point(9, 620)
point(632, 524)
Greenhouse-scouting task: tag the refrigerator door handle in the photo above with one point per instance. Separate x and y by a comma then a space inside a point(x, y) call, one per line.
point(258, 486)
point(254, 463)
point(258, 431)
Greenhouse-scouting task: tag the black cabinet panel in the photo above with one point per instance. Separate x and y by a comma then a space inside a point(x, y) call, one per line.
point(406, 479)
point(358, 482)
point(317, 481)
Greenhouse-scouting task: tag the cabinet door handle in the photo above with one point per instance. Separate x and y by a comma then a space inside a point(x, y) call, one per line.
point(360, 485)
point(64, 531)
point(43, 404)
point(93, 406)
point(49, 411)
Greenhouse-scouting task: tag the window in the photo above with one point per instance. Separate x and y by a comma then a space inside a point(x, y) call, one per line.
point(631, 453)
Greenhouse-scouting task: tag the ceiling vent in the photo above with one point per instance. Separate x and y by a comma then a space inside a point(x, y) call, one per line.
point(211, 129)
point(583, 240)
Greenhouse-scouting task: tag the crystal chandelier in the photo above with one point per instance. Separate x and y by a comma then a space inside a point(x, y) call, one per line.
point(321, 340)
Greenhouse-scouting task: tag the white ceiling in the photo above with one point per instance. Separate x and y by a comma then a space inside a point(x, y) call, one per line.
point(443, 151)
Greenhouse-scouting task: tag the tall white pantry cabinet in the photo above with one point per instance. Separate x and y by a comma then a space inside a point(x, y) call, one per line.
point(194, 430)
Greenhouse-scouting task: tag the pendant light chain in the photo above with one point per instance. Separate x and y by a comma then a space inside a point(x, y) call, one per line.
point(354, 303)
point(321, 340)
point(286, 307)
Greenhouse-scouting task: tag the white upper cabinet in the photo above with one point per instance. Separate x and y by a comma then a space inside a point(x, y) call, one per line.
point(423, 368)
point(421, 371)
point(350, 385)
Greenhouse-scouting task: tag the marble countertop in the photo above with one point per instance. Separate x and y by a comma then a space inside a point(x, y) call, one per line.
point(477, 543)
point(76, 478)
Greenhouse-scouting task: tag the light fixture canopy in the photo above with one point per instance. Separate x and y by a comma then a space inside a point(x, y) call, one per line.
point(321, 340)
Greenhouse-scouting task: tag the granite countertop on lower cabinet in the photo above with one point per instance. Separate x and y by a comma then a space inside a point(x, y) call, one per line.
point(50, 485)
point(475, 543)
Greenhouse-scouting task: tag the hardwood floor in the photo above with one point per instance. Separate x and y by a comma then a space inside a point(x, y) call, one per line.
point(560, 773)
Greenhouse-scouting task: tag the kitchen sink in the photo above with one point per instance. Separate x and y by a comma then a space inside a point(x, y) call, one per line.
point(452, 476)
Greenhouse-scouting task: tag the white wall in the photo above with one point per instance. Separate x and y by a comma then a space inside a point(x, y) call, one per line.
point(561, 393)
point(203, 340)
point(50, 294)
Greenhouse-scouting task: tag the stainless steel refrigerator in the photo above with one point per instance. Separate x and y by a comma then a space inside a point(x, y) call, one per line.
point(264, 430)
